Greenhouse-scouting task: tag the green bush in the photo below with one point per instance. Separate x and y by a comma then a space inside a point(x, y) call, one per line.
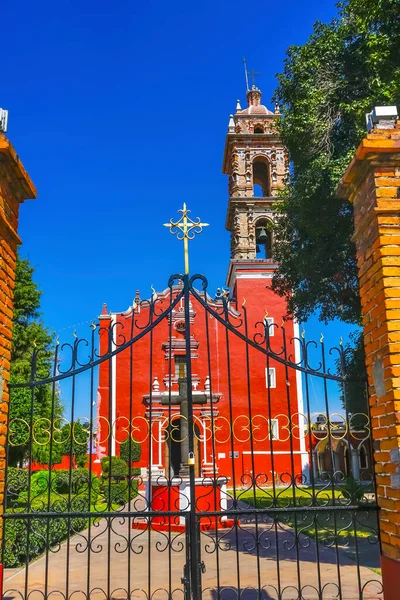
point(39, 485)
point(17, 482)
point(353, 491)
point(43, 532)
point(130, 451)
point(16, 546)
point(118, 470)
point(79, 480)
point(59, 486)
point(119, 493)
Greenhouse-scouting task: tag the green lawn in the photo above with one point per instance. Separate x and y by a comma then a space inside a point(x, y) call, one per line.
point(325, 524)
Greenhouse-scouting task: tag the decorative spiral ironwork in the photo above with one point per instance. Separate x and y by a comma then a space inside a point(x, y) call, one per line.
point(278, 503)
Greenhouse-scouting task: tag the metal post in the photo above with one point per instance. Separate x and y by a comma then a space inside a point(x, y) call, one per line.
point(184, 470)
point(193, 538)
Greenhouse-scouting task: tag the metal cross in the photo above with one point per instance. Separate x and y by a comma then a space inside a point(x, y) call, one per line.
point(185, 229)
point(253, 76)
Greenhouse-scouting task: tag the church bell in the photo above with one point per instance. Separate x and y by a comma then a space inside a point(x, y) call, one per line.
point(261, 236)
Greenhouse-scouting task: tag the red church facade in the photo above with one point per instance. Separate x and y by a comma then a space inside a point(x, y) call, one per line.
point(234, 419)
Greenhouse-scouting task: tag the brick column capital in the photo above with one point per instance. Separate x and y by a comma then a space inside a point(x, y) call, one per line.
point(15, 187)
point(380, 148)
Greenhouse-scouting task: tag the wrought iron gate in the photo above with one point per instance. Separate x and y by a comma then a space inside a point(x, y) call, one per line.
point(238, 479)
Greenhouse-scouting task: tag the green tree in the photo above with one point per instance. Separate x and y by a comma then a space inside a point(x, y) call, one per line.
point(344, 69)
point(354, 389)
point(130, 451)
point(75, 442)
point(31, 410)
point(328, 84)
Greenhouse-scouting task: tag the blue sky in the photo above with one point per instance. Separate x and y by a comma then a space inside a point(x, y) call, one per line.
point(119, 112)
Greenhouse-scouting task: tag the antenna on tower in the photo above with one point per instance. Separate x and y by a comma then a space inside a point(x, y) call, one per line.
point(3, 120)
point(246, 74)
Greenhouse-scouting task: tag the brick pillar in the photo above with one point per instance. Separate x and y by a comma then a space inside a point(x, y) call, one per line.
point(15, 187)
point(372, 184)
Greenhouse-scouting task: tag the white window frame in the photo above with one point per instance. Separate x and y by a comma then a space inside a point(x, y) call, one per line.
point(273, 426)
point(270, 374)
point(177, 364)
point(270, 322)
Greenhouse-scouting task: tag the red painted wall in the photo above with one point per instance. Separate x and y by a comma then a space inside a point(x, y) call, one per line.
point(242, 398)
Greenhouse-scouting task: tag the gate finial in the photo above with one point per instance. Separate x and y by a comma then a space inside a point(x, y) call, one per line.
point(185, 229)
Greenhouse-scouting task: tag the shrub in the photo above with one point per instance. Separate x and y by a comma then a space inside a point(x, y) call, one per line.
point(16, 545)
point(43, 532)
point(119, 493)
point(130, 451)
point(118, 470)
point(353, 491)
point(17, 482)
point(80, 481)
point(39, 485)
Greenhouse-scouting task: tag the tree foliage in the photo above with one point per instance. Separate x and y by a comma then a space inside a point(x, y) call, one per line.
point(344, 69)
point(354, 388)
point(130, 450)
point(31, 410)
point(75, 440)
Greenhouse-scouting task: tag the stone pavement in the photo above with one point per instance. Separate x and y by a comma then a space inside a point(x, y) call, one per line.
point(111, 558)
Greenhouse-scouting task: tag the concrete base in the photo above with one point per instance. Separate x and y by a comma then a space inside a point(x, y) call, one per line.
point(390, 578)
point(173, 495)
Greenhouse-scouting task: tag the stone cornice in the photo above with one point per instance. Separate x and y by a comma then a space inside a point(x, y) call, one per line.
point(257, 265)
point(22, 186)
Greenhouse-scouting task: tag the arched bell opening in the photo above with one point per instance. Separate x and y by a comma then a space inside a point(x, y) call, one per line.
point(263, 239)
point(261, 177)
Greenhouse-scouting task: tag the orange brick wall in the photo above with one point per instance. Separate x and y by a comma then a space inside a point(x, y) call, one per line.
point(372, 184)
point(15, 187)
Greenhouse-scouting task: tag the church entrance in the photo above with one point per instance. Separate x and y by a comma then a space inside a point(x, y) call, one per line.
point(185, 463)
point(173, 448)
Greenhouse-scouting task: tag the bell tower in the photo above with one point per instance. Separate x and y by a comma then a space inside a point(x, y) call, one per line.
point(256, 162)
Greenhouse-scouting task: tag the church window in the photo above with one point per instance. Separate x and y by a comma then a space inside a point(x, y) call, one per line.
point(270, 378)
point(363, 458)
point(180, 366)
point(269, 321)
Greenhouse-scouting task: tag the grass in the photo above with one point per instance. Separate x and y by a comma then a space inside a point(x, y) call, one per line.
point(326, 525)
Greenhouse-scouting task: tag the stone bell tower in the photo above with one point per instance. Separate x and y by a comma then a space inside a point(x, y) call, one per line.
point(257, 164)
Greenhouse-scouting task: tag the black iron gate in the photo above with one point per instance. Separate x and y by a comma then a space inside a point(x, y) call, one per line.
point(182, 451)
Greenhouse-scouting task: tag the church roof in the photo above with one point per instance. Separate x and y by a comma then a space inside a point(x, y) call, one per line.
point(256, 110)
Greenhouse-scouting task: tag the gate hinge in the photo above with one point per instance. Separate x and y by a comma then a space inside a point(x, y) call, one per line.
point(185, 578)
point(203, 567)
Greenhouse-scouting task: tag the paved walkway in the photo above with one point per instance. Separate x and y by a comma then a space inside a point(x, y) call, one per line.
point(111, 558)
